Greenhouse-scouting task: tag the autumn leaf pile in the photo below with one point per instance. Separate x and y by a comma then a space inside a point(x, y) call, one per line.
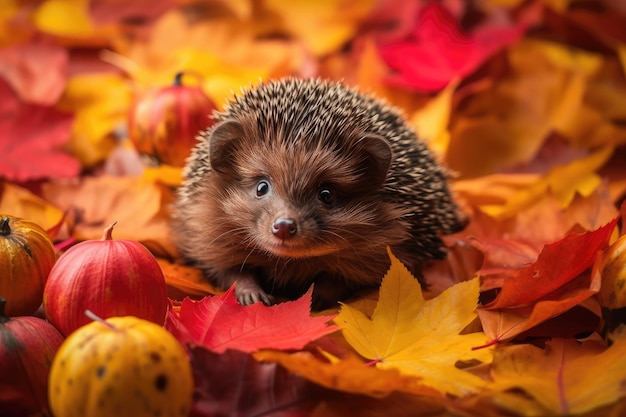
point(524, 100)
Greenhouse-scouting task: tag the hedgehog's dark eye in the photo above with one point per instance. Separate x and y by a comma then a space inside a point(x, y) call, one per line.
point(262, 188)
point(326, 196)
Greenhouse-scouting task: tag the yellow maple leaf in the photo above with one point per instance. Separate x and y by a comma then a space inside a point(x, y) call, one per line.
point(416, 336)
point(322, 26)
point(431, 121)
point(494, 189)
point(596, 123)
point(225, 50)
point(165, 174)
point(595, 127)
point(566, 57)
point(64, 18)
point(220, 78)
point(564, 181)
point(567, 377)
point(371, 69)
point(100, 102)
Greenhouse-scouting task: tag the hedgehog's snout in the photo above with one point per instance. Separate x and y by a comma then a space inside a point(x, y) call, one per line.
point(284, 228)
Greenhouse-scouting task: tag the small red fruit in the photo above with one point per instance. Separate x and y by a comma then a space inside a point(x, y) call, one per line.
point(27, 347)
point(109, 277)
point(164, 122)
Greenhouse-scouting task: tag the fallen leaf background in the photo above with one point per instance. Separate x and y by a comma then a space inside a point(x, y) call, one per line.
point(525, 101)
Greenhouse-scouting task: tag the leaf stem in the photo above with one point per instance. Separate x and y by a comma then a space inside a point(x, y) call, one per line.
point(490, 343)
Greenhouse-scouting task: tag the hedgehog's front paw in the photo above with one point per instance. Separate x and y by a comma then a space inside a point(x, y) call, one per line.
point(248, 292)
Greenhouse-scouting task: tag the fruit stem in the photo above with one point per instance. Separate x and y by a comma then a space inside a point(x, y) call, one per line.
point(108, 232)
point(5, 229)
point(178, 79)
point(93, 316)
point(3, 317)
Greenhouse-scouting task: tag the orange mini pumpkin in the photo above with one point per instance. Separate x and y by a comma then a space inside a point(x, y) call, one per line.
point(164, 122)
point(26, 258)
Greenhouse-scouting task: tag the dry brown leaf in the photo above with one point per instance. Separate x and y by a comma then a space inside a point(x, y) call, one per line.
point(186, 281)
point(140, 208)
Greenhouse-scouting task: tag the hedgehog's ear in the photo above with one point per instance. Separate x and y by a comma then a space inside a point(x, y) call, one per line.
point(376, 158)
point(223, 140)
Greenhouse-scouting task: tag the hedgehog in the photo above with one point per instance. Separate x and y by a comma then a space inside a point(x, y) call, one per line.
point(306, 183)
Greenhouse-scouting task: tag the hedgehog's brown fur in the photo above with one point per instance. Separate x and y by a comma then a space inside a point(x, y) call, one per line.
point(382, 187)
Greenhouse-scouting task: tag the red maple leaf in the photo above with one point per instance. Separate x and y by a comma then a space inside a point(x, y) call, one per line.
point(30, 140)
point(219, 323)
point(557, 264)
point(437, 51)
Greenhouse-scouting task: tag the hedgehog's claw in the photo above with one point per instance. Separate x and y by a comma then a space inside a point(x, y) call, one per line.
point(248, 292)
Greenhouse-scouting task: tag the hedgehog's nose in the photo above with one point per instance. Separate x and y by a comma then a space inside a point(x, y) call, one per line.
point(284, 228)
